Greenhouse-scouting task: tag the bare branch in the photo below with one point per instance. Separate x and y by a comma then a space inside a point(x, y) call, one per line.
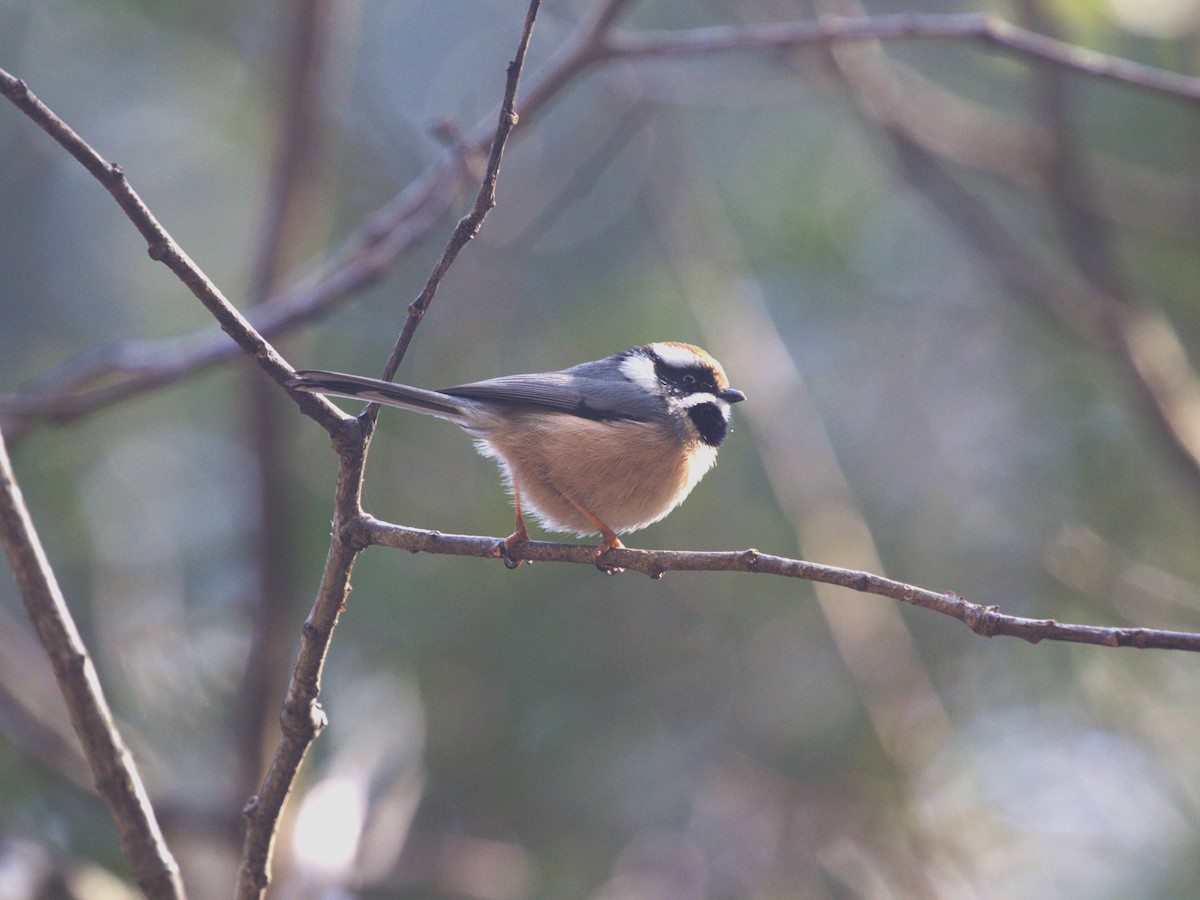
point(987, 621)
point(110, 761)
point(302, 718)
point(162, 247)
point(827, 30)
point(1124, 192)
point(468, 226)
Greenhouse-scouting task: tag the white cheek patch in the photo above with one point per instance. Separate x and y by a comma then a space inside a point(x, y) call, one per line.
point(676, 357)
point(639, 369)
point(699, 399)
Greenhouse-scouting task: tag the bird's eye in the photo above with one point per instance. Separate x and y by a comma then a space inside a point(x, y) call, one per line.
point(689, 379)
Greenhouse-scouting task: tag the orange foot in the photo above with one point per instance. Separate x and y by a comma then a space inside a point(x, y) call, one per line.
point(506, 546)
point(610, 542)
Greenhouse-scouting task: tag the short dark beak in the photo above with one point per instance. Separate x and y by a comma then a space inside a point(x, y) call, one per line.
point(729, 395)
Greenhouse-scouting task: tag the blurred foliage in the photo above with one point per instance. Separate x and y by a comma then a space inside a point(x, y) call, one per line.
point(552, 732)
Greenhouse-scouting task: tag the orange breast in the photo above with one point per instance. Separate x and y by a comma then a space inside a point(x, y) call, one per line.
point(627, 474)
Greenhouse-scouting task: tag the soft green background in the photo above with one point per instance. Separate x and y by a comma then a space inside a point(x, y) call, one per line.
point(552, 732)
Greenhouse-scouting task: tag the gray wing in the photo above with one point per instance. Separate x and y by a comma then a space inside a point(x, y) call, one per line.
point(571, 392)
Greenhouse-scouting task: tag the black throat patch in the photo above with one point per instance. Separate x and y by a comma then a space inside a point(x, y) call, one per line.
point(710, 422)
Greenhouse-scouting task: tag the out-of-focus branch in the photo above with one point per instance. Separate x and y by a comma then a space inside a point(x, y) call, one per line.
point(302, 718)
point(162, 248)
point(873, 640)
point(1142, 341)
point(110, 761)
point(987, 621)
point(1123, 192)
point(1068, 180)
point(1139, 338)
point(828, 30)
point(295, 212)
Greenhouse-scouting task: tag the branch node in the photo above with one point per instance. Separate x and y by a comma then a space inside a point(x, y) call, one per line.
point(350, 436)
point(157, 250)
point(983, 620)
point(750, 558)
point(305, 723)
point(250, 807)
point(76, 662)
point(353, 535)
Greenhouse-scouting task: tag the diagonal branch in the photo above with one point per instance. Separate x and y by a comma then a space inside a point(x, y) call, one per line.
point(108, 757)
point(1090, 302)
point(987, 621)
point(162, 246)
point(1146, 347)
point(468, 226)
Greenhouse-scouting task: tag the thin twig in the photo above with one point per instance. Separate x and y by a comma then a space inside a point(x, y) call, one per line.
point(468, 226)
point(302, 718)
point(987, 621)
point(108, 757)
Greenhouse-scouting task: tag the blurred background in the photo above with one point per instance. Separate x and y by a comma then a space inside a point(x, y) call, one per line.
point(959, 290)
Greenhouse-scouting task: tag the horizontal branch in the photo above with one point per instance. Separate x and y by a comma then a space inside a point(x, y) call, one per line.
point(983, 620)
point(979, 27)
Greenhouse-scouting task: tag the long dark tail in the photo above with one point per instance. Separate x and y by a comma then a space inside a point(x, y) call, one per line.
point(356, 387)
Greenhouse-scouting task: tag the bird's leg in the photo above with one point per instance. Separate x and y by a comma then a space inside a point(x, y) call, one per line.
point(608, 537)
point(518, 536)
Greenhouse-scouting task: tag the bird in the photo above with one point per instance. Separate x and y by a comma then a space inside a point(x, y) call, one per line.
point(602, 448)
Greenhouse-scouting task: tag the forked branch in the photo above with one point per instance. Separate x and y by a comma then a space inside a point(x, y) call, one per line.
point(302, 718)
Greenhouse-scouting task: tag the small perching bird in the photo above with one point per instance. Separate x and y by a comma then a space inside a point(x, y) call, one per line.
point(604, 447)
